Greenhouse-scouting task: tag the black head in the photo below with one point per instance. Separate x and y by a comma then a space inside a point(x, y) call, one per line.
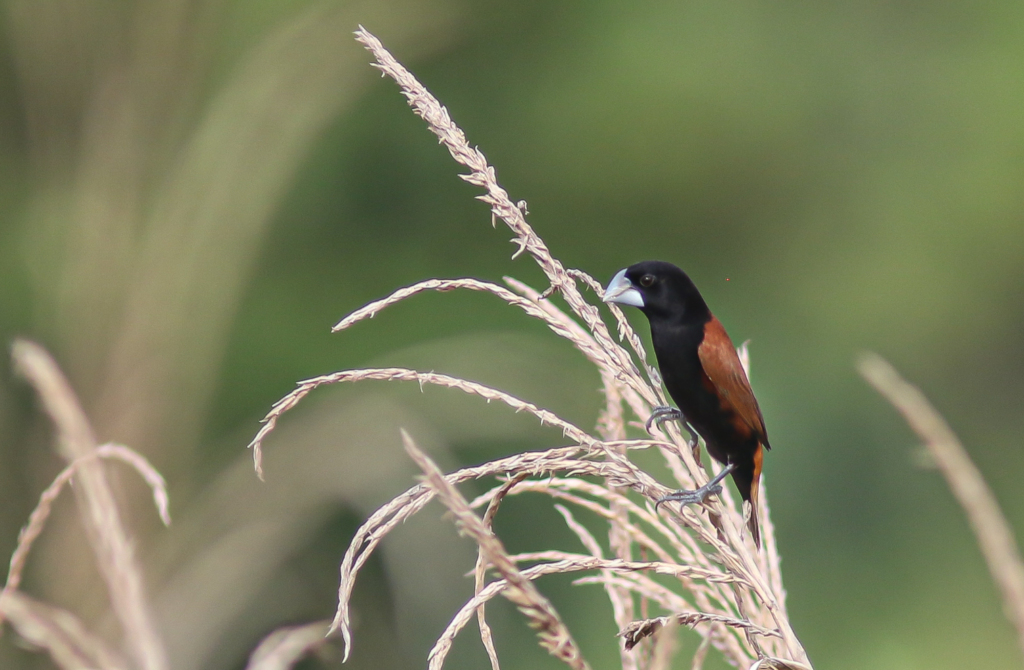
point(661, 290)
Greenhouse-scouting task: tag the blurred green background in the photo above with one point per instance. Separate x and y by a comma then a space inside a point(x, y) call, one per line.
point(192, 193)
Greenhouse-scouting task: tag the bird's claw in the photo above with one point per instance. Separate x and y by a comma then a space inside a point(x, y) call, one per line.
point(660, 415)
point(685, 497)
point(712, 488)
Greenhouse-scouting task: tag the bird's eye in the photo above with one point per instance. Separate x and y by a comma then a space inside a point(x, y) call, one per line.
point(647, 281)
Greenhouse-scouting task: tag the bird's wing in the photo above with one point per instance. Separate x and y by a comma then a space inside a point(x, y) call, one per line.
point(723, 368)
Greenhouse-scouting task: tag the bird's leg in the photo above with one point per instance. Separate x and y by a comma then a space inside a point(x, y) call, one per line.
point(685, 497)
point(660, 415)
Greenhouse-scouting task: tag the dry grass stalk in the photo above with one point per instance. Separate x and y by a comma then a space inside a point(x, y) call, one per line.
point(286, 646)
point(778, 664)
point(41, 513)
point(60, 633)
point(666, 644)
point(543, 618)
point(502, 207)
point(716, 576)
point(480, 572)
point(110, 541)
point(402, 507)
point(402, 374)
point(567, 562)
point(700, 654)
point(639, 630)
point(994, 535)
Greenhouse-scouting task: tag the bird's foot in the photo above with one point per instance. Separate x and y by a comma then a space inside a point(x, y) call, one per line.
point(684, 497)
point(660, 415)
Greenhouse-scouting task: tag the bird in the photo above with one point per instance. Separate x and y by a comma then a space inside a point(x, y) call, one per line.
point(703, 375)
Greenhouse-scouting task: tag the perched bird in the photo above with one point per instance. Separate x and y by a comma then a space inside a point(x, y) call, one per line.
point(703, 375)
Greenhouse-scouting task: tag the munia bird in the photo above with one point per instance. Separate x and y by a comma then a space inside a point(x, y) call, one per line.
point(704, 376)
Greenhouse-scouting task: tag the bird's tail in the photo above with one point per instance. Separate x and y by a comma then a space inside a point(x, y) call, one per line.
point(752, 521)
point(755, 490)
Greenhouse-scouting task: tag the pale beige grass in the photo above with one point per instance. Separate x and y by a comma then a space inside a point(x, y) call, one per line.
point(718, 583)
point(71, 644)
point(994, 534)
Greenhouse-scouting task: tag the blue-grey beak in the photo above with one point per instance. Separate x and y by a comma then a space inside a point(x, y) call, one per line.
point(622, 291)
